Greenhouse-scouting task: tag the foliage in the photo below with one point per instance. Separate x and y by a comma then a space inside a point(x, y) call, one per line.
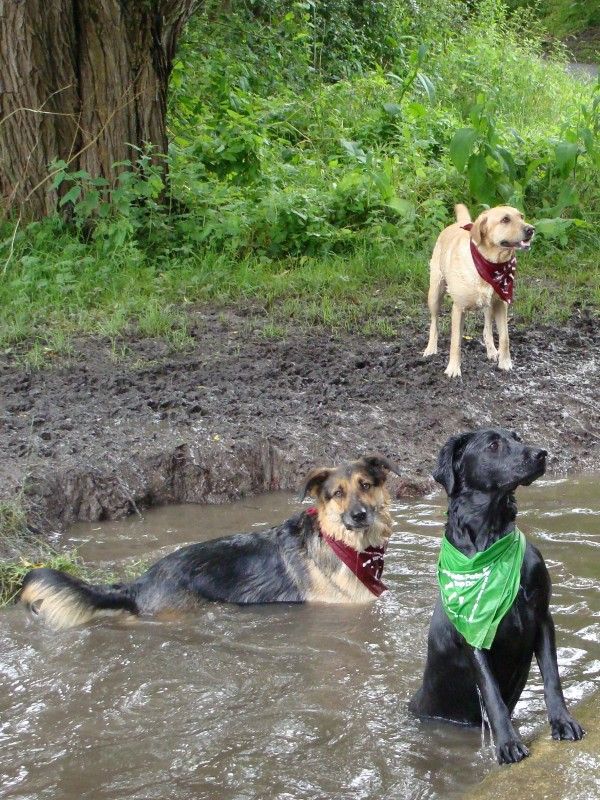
point(317, 150)
point(21, 551)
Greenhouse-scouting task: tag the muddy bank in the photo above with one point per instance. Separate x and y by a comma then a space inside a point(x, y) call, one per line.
point(114, 429)
point(554, 770)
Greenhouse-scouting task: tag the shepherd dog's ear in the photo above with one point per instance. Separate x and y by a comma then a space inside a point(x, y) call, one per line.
point(379, 466)
point(448, 461)
point(315, 480)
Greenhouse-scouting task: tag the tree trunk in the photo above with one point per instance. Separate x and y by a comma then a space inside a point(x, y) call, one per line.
point(84, 81)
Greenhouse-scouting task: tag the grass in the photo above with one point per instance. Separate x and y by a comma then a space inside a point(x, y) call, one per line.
point(317, 201)
point(21, 551)
point(374, 290)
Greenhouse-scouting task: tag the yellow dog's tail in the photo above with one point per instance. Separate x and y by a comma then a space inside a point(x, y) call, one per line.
point(462, 214)
point(64, 601)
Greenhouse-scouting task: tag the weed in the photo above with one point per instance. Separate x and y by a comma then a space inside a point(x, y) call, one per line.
point(317, 151)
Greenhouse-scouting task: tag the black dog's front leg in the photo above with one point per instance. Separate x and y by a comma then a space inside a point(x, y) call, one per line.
point(561, 722)
point(509, 747)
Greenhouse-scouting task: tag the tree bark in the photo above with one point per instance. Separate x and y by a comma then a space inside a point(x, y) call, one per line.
point(84, 81)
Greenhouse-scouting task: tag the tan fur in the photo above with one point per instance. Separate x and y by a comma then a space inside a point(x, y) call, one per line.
point(452, 270)
point(341, 585)
point(61, 608)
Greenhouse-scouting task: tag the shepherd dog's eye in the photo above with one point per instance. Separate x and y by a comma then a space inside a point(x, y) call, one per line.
point(493, 446)
point(365, 486)
point(338, 493)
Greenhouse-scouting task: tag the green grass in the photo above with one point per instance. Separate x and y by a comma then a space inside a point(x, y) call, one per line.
point(21, 551)
point(316, 195)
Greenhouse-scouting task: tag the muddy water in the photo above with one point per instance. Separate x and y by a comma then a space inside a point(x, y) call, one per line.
point(273, 702)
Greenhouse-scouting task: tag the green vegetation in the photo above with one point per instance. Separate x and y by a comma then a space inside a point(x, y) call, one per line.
point(317, 151)
point(21, 551)
point(576, 22)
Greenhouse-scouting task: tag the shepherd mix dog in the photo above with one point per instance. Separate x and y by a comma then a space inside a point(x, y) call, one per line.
point(305, 559)
point(463, 253)
point(480, 472)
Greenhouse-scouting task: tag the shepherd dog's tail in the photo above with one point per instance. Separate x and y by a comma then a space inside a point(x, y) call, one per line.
point(63, 601)
point(462, 214)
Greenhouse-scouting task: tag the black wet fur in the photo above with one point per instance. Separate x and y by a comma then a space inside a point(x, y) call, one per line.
point(271, 566)
point(480, 471)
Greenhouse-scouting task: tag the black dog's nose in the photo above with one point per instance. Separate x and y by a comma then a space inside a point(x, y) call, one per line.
point(358, 515)
point(529, 231)
point(540, 455)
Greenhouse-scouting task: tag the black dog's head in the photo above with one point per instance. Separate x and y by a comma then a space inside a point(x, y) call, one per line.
point(488, 460)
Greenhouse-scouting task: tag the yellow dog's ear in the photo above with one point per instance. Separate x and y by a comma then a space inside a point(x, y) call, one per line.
point(479, 230)
point(315, 480)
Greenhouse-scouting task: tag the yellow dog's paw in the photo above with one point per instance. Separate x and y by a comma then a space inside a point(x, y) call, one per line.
point(453, 370)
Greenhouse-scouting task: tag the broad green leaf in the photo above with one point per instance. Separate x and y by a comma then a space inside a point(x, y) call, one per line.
point(461, 147)
point(71, 196)
point(480, 184)
point(403, 207)
point(393, 109)
point(566, 155)
point(427, 84)
point(354, 150)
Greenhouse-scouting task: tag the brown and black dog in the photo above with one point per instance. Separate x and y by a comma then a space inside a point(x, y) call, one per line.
point(331, 553)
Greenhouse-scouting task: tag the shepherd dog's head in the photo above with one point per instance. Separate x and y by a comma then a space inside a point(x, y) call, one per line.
point(352, 500)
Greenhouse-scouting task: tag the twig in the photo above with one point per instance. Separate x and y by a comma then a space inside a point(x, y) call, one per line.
point(12, 246)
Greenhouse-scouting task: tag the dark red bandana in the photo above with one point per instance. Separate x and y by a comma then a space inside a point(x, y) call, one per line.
point(366, 565)
point(500, 276)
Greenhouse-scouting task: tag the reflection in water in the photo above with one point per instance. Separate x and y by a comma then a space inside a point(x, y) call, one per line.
point(272, 702)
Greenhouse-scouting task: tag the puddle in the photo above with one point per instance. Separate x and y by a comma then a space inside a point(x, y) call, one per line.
point(284, 703)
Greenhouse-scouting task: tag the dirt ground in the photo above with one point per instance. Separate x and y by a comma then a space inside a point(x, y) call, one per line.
point(112, 430)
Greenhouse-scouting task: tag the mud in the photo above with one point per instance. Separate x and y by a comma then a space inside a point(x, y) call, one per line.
point(120, 427)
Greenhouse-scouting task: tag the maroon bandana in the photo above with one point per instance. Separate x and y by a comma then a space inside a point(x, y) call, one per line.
point(366, 565)
point(501, 277)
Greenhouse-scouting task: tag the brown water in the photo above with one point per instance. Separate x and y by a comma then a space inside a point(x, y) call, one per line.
point(273, 703)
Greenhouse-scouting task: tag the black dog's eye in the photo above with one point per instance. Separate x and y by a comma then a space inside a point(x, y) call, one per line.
point(505, 220)
point(338, 493)
point(493, 446)
point(365, 486)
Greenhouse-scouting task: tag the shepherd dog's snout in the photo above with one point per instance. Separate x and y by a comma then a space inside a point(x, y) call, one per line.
point(329, 553)
point(359, 516)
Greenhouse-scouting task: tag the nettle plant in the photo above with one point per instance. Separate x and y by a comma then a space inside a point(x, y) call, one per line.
point(112, 213)
point(547, 179)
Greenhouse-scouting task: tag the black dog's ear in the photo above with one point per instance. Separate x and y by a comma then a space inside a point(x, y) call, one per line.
point(445, 472)
point(315, 480)
point(379, 466)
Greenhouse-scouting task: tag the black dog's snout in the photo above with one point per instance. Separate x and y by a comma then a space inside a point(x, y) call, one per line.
point(358, 515)
point(529, 231)
point(540, 455)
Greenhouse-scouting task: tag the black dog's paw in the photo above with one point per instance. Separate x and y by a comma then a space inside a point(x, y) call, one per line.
point(566, 727)
point(511, 751)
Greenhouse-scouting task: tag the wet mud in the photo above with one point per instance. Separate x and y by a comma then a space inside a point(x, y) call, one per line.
point(119, 427)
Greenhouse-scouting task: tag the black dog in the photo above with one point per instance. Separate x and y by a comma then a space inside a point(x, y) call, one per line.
point(480, 472)
point(332, 553)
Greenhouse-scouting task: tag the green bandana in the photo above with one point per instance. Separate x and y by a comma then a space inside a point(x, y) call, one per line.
point(477, 592)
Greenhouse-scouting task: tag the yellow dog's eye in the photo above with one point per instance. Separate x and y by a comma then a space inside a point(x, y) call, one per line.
point(505, 220)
